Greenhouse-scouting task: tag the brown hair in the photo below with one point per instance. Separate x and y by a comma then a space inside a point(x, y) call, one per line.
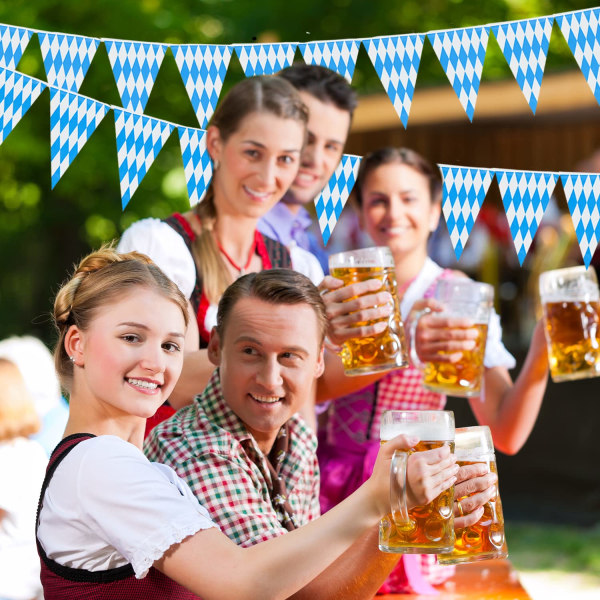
point(18, 417)
point(103, 277)
point(268, 94)
point(277, 286)
point(401, 156)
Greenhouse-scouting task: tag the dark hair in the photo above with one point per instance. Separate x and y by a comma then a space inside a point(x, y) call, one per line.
point(277, 286)
point(401, 156)
point(102, 277)
point(322, 83)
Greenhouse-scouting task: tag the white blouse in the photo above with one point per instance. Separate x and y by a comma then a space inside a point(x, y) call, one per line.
point(107, 505)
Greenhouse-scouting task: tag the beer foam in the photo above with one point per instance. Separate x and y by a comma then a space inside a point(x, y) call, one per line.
point(473, 443)
point(427, 432)
point(566, 290)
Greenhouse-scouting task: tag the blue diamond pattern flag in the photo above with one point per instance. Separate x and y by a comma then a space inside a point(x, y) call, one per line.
point(582, 191)
point(73, 119)
point(139, 140)
point(580, 29)
point(464, 190)
point(333, 198)
point(265, 59)
point(67, 58)
point(338, 55)
point(525, 47)
point(203, 69)
point(461, 53)
point(13, 41)
point(135, 66)
point(396, 60)
point(17, 93)
point(525, 195)
point(196, 162)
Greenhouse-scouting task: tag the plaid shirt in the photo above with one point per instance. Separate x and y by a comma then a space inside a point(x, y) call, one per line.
point(210, 448)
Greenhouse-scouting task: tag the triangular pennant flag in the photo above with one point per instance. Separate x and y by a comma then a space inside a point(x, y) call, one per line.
point(73, 119)
point(525, 195)
point(461, 53)
point(203, 69)
point(139, 140)
point(135, 66)
point(17, 93)
point(332, 199)
point(265, 59)
point(464, 190)
point(67, 58)
point(525, 47)
point(338, 55)
point(196, 162)
point(580, 29)
point(396, 60)
point(582, 191)
point(13, 41)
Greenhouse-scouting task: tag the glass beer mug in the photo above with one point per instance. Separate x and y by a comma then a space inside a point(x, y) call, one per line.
point(386, 350)
point(571, 306)
point(485, 539)
point(461, 297)
point(425, 529)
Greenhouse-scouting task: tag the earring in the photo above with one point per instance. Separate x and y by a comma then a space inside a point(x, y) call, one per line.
point(216, 164)
point(72, 359)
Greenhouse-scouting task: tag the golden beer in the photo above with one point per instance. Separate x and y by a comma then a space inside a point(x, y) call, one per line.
point(462, 378)
point(427, 529)
point(573, 333)
point(383, 351)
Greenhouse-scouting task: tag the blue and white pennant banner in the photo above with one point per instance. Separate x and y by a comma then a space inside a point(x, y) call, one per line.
point(139, 140)
point(67, 58)
point(525, 195)
point(265, 59)
point(197, 164)
point(203, 69)
point(135, 66)
point(461, 53)
point(396, 60)
point(463, 191)
point(582, 191)
point(525, 47)
point(333, 198)
point(13, 41)
point(338, 55)
point(73, 119)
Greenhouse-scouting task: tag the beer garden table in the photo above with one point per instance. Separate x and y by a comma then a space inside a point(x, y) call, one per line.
point(484, 580)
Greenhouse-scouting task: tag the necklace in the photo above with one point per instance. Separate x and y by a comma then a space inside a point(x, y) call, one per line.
point(240, 270)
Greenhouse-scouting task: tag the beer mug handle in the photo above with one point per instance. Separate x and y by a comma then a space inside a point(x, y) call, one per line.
point(398, 488)
point(414, 357)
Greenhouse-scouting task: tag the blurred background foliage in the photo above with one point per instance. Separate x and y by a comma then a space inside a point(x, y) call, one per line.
point(44, 231)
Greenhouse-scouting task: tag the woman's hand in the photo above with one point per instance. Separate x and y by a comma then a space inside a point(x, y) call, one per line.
point(475, 486)
point(352, 309)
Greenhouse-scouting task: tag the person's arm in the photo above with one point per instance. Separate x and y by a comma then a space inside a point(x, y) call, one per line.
point(281, 566)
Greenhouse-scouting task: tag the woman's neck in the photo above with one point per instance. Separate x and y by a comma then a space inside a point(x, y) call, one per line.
point(235, 234)
point(408, 266)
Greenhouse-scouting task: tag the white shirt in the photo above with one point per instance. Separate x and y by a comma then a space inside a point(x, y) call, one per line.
point(107, 505)
point(22, 469)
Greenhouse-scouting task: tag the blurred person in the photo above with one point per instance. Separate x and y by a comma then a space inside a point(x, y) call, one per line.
point(399, 202)
point(22, 465)
point(111, 524)
point(35, 363)
point(242, 447)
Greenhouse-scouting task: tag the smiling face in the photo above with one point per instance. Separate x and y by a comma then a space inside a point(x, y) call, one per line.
point(328, 128)
point(269, 357)
point(131, 355)
point(397, 210)
point(257, 163)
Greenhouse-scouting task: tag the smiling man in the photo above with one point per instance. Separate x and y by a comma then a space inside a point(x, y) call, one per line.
point(242, 447)
point(331, 102)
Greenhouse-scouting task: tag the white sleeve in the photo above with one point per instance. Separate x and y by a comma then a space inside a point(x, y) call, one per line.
point(165, 247)
point(496, 355)
point(306, 263)
point(139, 509)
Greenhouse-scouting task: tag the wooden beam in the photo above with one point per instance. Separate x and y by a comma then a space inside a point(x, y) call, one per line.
point(559, 93)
